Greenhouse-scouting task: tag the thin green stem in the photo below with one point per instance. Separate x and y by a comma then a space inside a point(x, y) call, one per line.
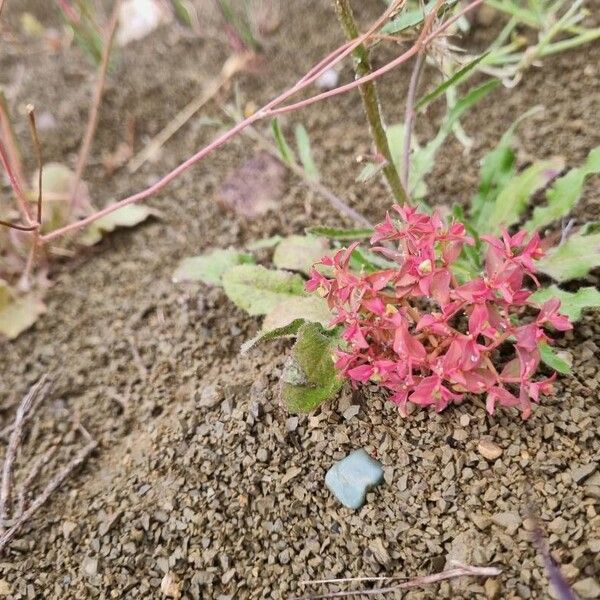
point(370, 98)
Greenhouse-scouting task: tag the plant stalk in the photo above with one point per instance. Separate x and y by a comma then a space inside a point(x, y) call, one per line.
point(370, 98)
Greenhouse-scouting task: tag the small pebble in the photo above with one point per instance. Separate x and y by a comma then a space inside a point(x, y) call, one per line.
point(352, 477)
point(489, 450)
point(169, 586)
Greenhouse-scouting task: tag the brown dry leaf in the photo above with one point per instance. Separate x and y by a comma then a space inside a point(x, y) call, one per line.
point(254, 188)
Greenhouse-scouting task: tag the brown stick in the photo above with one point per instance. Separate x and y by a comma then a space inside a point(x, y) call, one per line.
point(77, 460)
point(38, 154)
point(13, 445)
point(92, 123)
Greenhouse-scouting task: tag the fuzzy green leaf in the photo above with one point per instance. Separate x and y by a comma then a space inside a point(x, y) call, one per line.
point(286, 318)
point(572, 304)
point(300, 252)
point(342, 235)
point(309, 376)
point(513, 198)
point(553, 359)
point(273, 334)
point(573, 259)
point(258, 290)
point(128, 216)
point(286, 153)
point(209, 268)
point(305, 154)
point(17, 313)
point(312, 309)
point(565, 193)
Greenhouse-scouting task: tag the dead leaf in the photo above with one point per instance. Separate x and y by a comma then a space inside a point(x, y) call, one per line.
point(254, 188)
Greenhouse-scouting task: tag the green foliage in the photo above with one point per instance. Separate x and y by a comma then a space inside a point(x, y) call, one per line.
point(572, 304)
point(454, 80)
point(265, 243)
point(299, 253)
point(305, 154)
point(17, 312)
point(286, 153)
point(83, 23)
point(554, 360)
point(311, 309)
point(258, 290)
point(209, 268)
point(309, 377)
point(573, 259)
point(128, 216)
point(512, 199)
point(565, 193)
point(342, 235)
point(273, 334)
point(412, 18)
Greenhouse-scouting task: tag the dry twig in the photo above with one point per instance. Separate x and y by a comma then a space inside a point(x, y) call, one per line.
point(30, 402)
point(458, 571)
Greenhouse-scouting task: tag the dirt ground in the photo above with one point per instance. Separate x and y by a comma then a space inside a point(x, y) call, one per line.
point(153, 372)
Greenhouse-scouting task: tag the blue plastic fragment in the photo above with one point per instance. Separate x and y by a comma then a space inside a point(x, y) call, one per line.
point(351, 478)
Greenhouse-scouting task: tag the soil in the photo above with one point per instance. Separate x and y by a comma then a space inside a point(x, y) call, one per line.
point(152, 370)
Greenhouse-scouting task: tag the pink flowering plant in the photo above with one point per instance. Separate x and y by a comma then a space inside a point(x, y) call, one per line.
point(428, 338)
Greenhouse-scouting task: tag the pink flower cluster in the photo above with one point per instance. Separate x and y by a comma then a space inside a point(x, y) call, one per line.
point(429, 339)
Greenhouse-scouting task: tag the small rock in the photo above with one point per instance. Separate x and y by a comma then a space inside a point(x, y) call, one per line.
point(209, 397)
point(587, 588)
point(291, 424)
point(5, 588)
point(350, 479)
point(464, 420)
point(262, 455)
point(68, 527)
point(90, 566)
point(509, 520)
point(489, 450)
point(169, 586)
point(351, 412)
point(327, 80)
point(582, 472)
point(491, 588)
point(379, 552)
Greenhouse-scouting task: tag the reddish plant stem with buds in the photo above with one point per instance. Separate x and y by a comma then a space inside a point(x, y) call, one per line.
point(271, 109)
point(16, 185)
point(92, 123)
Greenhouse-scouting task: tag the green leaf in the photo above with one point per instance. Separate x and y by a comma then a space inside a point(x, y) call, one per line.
point(565, 193)
point(269, 242)
point(17, 313)
point(209, 268)
point(512, 200)
point(411, 18)
point(312, 309)
point(572, 304)
point(423, 159)
point(554, 360)
point(182, 12)
point(305, 154)
point(258, 290)
point(309, 376)
point(267, 336)
point(459, 76)
point(128, 216)
point(286, 318)
point(300, 252)
point(363, 259)
point(286, 153)
point(369, 171)
point(497, 168)
point(342, 235)
point(574, 259)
